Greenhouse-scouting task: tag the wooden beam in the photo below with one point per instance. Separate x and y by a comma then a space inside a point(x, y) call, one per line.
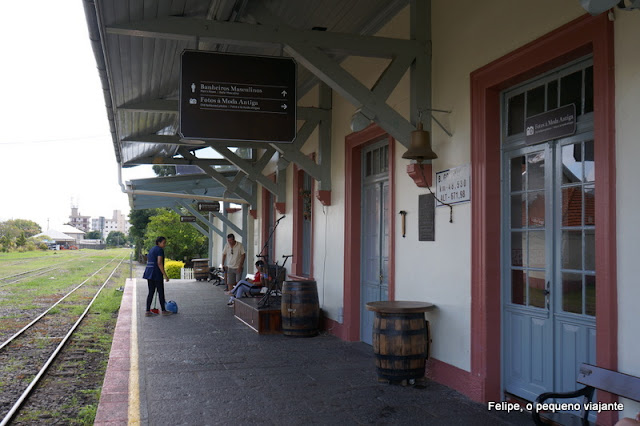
point(189, 29)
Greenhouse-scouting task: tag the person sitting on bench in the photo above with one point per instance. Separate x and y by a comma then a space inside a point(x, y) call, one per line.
point(244, 286)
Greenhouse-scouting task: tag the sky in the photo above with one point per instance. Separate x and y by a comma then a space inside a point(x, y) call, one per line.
point(55, 144)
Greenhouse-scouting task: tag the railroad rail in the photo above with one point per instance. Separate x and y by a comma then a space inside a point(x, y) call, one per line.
point(39, 375)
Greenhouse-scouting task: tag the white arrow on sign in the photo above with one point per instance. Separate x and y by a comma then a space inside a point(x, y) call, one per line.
point(284, 93)
point(283, 106)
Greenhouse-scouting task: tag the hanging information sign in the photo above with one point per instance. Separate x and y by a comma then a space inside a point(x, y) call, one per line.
point(237, 97)
point(209, 207)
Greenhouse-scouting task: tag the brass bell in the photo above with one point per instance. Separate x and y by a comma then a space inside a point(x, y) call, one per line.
point(420, 149)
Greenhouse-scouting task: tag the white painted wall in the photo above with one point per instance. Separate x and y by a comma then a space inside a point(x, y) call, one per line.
point(465, 38)
point(627, 30)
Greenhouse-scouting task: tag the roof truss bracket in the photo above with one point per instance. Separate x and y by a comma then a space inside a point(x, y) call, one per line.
point(176, 208)
point(201, 162)
point(201, 218)
point(372, 103)
point(320, 118)
point(253, 172)
point(228, 222)
point(221, 179)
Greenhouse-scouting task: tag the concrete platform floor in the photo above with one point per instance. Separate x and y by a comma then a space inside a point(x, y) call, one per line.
point(204, 367)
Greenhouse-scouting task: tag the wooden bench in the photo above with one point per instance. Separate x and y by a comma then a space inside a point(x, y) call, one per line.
point(594, 378)
point(263, 320)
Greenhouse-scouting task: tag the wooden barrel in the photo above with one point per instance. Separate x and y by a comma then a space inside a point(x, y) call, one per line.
point(200, 269)
point(400, 345)
point(300, 308)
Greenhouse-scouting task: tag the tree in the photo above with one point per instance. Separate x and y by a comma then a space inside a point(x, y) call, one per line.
point(21, 240)
point(29, 227)
point(139, 219)
point(116, 238)
point(183, 240)
point(164, 170)
point(93, 235)
point(6, 242)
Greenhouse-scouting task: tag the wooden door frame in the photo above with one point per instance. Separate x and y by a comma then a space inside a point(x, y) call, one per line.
point(582, 36)
point(354, 143)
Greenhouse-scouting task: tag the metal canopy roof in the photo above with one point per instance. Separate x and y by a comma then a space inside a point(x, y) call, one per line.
point(137, 44)
point(193, 185)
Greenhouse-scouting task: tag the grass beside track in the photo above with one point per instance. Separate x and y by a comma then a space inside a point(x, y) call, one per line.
point(71, 398)
point(15, 263)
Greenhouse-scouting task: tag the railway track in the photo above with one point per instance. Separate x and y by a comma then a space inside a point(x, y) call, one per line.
point(28, 353)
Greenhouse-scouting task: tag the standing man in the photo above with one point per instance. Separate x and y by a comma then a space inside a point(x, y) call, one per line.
point(233, 256)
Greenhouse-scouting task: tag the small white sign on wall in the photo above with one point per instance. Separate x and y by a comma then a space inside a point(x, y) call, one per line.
point(454, 185)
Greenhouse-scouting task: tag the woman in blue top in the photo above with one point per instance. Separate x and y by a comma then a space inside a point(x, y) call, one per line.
point(154, 273)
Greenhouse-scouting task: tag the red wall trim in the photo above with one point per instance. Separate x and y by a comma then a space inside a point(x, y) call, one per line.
point(298, 184)
point(354, 143)
point(324, 197)
point(333, 327)
point(573, 40)
point(455, 378)
point(267, 205)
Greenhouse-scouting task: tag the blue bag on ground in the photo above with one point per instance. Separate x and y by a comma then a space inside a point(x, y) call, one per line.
point(171, 306)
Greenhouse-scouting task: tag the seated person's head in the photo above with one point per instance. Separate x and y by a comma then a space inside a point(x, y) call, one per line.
point(259, 265)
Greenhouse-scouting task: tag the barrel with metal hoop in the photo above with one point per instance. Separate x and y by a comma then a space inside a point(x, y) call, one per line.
point(400, 339)
point(200, 269)
point(300, 308)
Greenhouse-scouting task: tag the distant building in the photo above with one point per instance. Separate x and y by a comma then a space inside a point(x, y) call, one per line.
point(119, 222)
point(56, 237)
point(75, 233)
point(97, 224)
point(78, 221)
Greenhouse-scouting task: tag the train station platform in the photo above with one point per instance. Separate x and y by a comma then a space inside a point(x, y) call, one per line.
point(203, 366)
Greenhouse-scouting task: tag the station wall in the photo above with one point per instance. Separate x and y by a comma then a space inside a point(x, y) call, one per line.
point(466, 38)
point(627, 72)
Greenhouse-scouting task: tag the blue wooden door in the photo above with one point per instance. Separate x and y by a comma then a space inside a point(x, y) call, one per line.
point(527, 314)
point(548, 239)
point(375, 235)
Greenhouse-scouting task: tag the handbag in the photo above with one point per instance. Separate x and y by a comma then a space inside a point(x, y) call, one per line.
point(171, 306)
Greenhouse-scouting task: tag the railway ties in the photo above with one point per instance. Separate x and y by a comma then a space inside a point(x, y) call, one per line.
point(31, 350)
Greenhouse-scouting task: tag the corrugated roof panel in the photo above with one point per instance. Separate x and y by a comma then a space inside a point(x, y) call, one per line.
point(143, 69)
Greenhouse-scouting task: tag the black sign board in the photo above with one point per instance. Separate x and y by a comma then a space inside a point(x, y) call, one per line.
point(426, 218)
point(209, 207)
point(237, 97)
point(550, 125)
point(187, 218)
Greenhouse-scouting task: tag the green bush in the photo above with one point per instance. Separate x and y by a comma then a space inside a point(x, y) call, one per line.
point(173, 267)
